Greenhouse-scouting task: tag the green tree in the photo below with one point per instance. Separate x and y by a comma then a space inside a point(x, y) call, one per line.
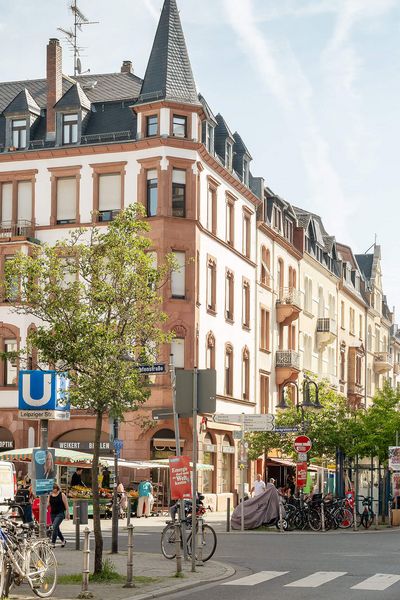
point(95, 297)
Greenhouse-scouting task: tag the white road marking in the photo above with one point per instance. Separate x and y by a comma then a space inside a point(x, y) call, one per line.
point(316, 579)
point(256, 578)
point(378, 582)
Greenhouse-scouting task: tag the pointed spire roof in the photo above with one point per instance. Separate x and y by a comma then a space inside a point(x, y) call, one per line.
point(169, 74)
point(22, 103)
point(74, 98)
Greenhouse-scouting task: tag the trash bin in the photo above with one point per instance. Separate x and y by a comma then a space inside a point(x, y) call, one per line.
point(80, 514)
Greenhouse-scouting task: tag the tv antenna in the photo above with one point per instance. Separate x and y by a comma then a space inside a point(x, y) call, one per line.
point(71, 35)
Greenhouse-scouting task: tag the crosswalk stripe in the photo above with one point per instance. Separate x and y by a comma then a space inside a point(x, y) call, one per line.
point(378, 582)
point(316, 579)
point(256, 578)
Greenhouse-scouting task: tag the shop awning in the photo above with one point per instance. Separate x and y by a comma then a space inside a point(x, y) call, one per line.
point(62, 457)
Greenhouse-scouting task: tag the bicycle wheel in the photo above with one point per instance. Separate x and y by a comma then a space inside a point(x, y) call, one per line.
point(368, 519)
point(42, 574)
point(314, 519)
point(168, 541)
point(208, 544)
point(3, 572)
point(344, 518)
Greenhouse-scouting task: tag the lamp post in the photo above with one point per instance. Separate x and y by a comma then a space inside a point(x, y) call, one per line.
point(307, 403)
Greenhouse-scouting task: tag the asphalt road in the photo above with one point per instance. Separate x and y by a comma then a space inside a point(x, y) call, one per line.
point(295, 566)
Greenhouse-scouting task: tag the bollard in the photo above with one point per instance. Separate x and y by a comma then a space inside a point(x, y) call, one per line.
point(129, 566)
point(355, 515)
point(390, 514)
point(77, 508)
point(199, 544)
point(178, 548)
point(86, 566)
point(128, 511)
point(323, 516)
point(228, 515)
point(281, 529)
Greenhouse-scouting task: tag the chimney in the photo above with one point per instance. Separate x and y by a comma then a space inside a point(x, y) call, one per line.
point(54, 84)
point(127, 66)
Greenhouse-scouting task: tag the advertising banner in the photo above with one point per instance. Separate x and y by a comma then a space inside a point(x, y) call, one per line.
point(301, 474)
point(394, 458)
point(180, 477)
point(43, 471)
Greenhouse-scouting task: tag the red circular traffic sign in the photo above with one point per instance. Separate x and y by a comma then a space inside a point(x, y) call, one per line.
point(302, 443)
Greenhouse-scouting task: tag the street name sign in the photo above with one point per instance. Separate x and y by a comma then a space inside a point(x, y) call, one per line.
point(152, 369)
point(286, 429)
point(160, 414)
point(302, 444)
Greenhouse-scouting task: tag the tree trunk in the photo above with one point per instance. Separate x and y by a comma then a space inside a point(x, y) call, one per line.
point(98, 538)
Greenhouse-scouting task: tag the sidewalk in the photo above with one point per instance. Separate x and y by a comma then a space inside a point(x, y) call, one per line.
point(155, 576)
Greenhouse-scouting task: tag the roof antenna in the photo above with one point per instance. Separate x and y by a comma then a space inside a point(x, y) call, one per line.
point(373, 245)
point(71, 35)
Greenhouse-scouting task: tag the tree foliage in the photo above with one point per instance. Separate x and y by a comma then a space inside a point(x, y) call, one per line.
point(95, 297)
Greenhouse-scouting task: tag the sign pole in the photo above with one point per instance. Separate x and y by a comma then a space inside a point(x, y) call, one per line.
point(242, 484)
point(114, 524)
point(194, 473)
point(44, 442)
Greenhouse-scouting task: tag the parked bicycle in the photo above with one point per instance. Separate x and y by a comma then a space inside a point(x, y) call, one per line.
point(366, 516)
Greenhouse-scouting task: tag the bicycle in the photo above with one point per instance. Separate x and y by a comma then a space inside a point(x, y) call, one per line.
point(24, 558)
point(207, 544)
point(367, 516)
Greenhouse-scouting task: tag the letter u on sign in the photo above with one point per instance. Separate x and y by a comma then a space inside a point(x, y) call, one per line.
point(35, 389)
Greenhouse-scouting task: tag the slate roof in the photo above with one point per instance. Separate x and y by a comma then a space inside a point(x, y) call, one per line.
point(365, 262)
point(74, 98)
point(22, 103)
point(169, 74)
point(240, 145)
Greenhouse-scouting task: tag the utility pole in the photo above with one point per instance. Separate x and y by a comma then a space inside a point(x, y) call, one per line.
point(44, 443)
point(115, 511)
point(194, 473)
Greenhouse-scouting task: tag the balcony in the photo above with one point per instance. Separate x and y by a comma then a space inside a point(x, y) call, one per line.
point(287, 364)
point(288, 305)
point(18, 229)
point(326, 331)
point(355, 394)
point(383, 362)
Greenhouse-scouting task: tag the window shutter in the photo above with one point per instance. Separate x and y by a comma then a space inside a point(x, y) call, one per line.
point(109, 192)
point(66, 199)
point(179, 176)
point(178, 350)
point(24, 201)
point(178, 276)
point(6, 202)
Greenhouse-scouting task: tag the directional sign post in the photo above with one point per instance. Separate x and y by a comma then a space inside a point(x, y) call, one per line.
point(162, 413)
point(249, 422)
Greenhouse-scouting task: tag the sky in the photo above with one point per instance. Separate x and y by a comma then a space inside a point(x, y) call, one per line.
point(312, 86)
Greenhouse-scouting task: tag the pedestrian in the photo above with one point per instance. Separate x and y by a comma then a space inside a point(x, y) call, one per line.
point(106, 478)
point(76, 478)
point(59, 511)
point(291, 484)
point(258, 486)
point(25, 492)
point(145, 492)
point(273, 481)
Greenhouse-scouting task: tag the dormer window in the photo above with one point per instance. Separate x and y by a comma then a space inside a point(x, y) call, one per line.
point(19, 133)
point(179, 126)
point(288, 230)
point(210, 138)
point(152, 126)
point(228, 156)
point(70, 129)
point(277, 219)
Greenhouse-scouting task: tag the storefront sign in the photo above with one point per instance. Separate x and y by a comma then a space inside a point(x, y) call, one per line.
point(6, 445)
point(228, 449)
point(43, 471)
point(43, 395)
point(179, 477)
point(209, 447)
point(301, 474)
point(83, 446)
point(394, 458)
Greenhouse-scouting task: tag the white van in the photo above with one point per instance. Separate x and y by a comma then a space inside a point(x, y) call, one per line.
point(8, 482)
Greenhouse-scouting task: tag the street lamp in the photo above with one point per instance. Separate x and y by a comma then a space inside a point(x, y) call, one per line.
point(307, 402)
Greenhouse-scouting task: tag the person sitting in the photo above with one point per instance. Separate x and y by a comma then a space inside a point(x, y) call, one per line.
point(76, 478)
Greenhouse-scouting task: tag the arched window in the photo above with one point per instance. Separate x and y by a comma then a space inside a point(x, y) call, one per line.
point(292, 278)
point(369, 338)
point(228, 451)
point(245, 374)
point(321, 303)
point(210, 351)
point(384, 344)
point(209, 458)
point(9, 342)
point(228, 370)
point(280, 277)
point(265, 266)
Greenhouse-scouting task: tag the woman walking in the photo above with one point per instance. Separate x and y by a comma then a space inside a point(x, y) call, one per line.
point(59, 511)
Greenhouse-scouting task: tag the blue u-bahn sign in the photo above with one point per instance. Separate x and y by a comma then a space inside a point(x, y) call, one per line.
point(43, 395)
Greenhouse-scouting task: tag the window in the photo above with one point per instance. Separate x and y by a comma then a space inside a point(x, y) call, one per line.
point(228, 370)
point(152, 193)
point(288, 230)
point(19, 133)
point(352, 321)
point(211, 284)
point(246, 304)
point(264, 394)
point(178, 351)
point(377, 339)
point(245, 374)
point(308, 301)
point(343, 364)
point(342, 316)
point(228, 156)
point(277, 219)
point(332, 306)
point(281, 277)
point(6, 203)
point(210, 351)
point(369, 338)
point(178, 193)
point(212, 209)
point(66, 200)
point(13, 290)
point(358, 369)
point(292, 279)
point(16, 206)
point(307, 360)
point(178, 276)
point(210, 138)
point(10, 365)
point(151, 125)
point(360, 326)
point(264, 329)
point(24, 202)
point(369, 381)
point(265, 266)
point(230, 222)
point(229, 295)
point(70, 129)
point(179, 126)
point(246, 235)
point(331, 361)
point(109, 195)
point(321, 303)
point(209, 458)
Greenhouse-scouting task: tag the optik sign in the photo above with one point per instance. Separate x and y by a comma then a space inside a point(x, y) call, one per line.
point(43, 395)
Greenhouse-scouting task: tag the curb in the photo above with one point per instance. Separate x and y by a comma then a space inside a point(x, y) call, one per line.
point(229, 572)
point(332, 532)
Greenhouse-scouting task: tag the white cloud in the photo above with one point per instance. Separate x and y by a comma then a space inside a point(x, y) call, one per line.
point(150, 7)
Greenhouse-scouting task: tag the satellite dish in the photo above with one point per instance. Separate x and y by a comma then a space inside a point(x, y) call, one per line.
point(78, 65)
